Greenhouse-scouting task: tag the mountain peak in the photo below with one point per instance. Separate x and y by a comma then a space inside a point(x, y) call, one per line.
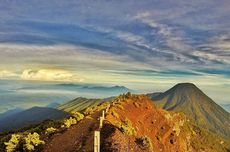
point(185, 86)
point(187, 98)
point(185, 90)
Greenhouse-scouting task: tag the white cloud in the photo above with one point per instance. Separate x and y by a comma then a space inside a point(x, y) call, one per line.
point(172, 37)
point(49, 75)
point(7, 74)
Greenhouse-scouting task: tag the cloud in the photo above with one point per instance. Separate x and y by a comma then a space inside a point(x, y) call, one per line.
point(49, 75)
point(216, 49)
point(7, 74)
point(173, 38)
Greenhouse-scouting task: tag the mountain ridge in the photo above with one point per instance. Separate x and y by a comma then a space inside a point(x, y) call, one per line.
point(189, 99)
point(30, 116)
point(134, 123)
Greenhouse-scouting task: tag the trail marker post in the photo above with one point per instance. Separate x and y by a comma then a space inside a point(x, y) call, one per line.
point(96, 141)
point(107, 109)
point(97, 132)
point(101, 122)
point(103, 114)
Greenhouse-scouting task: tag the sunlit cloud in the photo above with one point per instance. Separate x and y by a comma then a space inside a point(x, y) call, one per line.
point(7, 74)
point(49, 75)
point(141, 43)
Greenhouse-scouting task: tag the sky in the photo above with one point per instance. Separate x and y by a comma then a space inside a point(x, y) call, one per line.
point(147, 45)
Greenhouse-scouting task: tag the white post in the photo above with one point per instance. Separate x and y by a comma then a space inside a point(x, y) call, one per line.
point(107, 109)
point(96, 141)
point(103, 114)
point(101, 122)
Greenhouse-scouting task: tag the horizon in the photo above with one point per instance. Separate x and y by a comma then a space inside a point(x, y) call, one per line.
point(145, 46)
point(26, 94)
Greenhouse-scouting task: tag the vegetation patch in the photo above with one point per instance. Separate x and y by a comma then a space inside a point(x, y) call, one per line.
point(78, 116)
point(50, 131)
point(93, 109)
point(23, 142)
point(126, 127)
point(13, 143)
point(115, 114)
point(32, 141)
point(69, 122)
point(144, 142)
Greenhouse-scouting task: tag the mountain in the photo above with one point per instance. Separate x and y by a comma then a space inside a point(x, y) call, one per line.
point(10, 112)
point(89, 88)
point(80, 104)
point(187, 98)
point(30, 116)
point(133, 123)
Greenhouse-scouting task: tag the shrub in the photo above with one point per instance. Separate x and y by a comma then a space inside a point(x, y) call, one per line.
point(115, 114)
point(177, 126)
point(144, 142)
point(50, 131)
point(78, 116)
point(126, 127)
point(31, 141)
point(128, 95)
point(69, 122)
point(28, 142)
point(13, 143)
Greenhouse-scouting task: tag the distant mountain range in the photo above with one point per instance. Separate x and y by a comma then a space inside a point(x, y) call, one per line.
point(185, 97)
point(189, 99)
point(10, 113)
point(226, 107)
point(30, 116)
point(26, 94)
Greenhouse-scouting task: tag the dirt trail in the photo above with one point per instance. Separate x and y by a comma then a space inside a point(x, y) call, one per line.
point(76, 138)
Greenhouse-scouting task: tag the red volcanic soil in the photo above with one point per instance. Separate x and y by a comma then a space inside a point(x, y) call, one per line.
point(148, 121)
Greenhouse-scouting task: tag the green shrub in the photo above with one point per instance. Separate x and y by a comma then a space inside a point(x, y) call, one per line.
point(31, 141)
point(13, 143)
point(126, 127)
point(115, 114)
point(78, 116)
point(69, 122)
point(50, 131)
point(27, 141)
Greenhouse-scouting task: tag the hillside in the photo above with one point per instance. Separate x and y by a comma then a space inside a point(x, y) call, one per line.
point(80, 104)
point(189, 99)
point(30, 116)
point(134, 123)
point(10, 112)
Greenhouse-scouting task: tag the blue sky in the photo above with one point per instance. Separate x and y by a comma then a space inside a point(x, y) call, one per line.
point(148, 45)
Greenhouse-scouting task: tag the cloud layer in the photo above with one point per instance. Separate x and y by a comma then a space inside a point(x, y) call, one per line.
point(123, 42)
